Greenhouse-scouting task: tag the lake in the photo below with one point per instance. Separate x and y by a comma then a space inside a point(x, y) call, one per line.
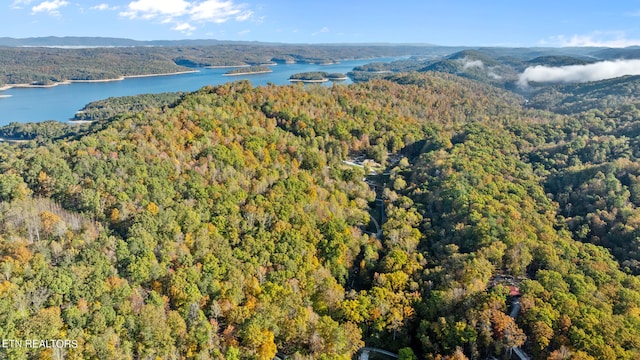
point(63, 101)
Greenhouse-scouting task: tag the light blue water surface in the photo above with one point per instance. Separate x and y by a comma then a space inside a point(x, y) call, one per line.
point(63, 101)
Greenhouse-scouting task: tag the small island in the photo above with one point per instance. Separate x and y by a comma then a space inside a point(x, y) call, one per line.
point(248, 71)
point(317, 76)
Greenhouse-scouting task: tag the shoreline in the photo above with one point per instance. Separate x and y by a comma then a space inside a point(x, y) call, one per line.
point(249, 73)
point(81, 121)
point(237, 66)
point(226, 66)
point(161, 74)
point(309, 81)
point(11, 140)
point(68, 82)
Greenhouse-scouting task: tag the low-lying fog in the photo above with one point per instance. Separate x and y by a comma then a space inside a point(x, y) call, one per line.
point(580, 73)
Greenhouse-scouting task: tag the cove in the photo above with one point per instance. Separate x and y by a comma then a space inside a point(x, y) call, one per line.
point(61, 102)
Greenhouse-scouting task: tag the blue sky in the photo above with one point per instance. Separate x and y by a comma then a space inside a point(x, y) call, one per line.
point(450, 22)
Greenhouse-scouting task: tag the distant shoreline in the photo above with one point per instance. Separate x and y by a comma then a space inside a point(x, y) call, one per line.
point(226, 66)
point(10, 140)
point(309, 81)
point(68, 82)
point(238, 66)
point(249, 73)
point(81, 121)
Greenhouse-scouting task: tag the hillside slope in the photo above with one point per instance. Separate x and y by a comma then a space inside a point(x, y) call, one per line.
point(228, 226)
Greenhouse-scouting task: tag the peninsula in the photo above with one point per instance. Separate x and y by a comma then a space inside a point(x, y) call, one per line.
point(251, 70)
point(317, 77)
point(67, 82)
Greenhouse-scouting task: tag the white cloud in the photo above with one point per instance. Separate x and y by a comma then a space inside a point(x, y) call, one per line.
point(149, 9)
point(18, 4)
point(494, 76)
point(244, 16)
point(323, 30)
point(185, 28)
point(615, 39)
point(580, 73)
point(218, 11)
point(183, 13)
point(50, 7)
point(244, 32)
point(468, 64)
point(103, 7)
point(590, 41)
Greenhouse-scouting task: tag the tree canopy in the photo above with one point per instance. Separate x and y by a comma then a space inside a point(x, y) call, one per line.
point(233, 224)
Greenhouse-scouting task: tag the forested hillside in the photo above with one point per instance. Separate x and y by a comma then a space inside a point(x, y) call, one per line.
point(507, 68)
point(576, 98)
point(229, 226)
point(108, 108)
point(35, 65)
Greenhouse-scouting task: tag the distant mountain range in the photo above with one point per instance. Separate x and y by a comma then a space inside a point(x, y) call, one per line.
point(526, 71)
point(79, 41)
point(517, 52)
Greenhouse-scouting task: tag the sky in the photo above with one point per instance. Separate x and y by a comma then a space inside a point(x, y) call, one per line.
point(451, 22)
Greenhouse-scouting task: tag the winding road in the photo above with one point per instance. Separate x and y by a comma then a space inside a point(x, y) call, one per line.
point(364, 355)
point(515, 309)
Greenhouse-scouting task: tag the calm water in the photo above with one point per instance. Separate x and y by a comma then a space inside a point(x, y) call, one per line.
point(61, 102)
